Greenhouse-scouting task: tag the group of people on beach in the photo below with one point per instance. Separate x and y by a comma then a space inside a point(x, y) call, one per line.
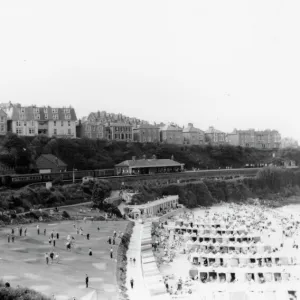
point(256, 221)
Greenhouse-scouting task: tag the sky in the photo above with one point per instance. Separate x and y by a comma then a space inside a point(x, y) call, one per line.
point(228, 64)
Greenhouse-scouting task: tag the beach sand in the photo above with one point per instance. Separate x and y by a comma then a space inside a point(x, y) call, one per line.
point(180, 266)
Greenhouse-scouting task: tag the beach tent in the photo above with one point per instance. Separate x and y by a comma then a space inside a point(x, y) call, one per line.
point(90, 296)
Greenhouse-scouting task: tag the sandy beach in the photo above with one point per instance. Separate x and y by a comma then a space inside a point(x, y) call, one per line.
point(180, 266)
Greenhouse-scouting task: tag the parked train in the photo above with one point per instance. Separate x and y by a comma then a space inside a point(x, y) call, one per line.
point(19, 180)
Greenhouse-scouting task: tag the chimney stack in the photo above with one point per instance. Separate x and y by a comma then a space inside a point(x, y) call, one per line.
point(133, 158)
point(172, 157)
point(144, 157)
point(190, 124)
point(153, 156)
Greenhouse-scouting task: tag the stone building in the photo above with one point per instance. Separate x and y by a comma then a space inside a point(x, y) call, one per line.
point(215, 136)
point(146, 133)
point(171, 134)
point(192, 135)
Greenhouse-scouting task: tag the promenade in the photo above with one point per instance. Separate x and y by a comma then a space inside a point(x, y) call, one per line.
point(134, 271)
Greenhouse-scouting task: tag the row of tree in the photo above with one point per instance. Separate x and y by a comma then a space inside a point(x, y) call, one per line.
point(20, 153)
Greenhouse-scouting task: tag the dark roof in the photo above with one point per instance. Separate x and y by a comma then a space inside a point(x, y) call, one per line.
point(146, 163)
point(49, 161)
point(42, 111)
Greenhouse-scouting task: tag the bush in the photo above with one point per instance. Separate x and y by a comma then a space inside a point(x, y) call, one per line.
point(65, 215)
point(8, 293)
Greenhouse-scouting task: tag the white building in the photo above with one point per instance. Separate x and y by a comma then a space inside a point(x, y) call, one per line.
point(32, 120)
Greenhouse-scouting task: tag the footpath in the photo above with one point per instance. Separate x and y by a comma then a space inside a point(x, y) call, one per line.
point(134, 271)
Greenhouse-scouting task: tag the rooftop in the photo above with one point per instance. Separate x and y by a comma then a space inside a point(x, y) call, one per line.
point(146, 163)
point(46, 161)
point(171, 127)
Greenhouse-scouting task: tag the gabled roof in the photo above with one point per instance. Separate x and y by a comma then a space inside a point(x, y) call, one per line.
point(141, 163)
point(171, 127)
point(192, 129)
point(118, 124)
point(146, 126)
point(48, 161)
point(2, 113)
point(213, 130)
point(42, 111)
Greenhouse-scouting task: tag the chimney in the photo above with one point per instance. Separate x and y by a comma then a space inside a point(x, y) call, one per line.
point(153, 156)
point(190, 125)
point(172, 157)
point(133, 158)
point(144, 157)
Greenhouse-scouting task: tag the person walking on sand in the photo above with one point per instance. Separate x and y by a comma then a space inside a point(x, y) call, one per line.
point(25, 231)
point(111, 252)
point(21, 229)
point(47, 258)
point(86, 280)
point(45, 231)
point(12, 238)
point(90, 252)
point(131, 282)
point(134, 261)
point(8, 238)
point(12, 231)
point(53, 241)
point(57, 235)
point(38, 229)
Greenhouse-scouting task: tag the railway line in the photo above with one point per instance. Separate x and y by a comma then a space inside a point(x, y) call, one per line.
point(16, 181)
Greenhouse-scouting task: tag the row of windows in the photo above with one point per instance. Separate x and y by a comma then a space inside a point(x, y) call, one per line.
point(37, 116)
point(30, 130)
point(62, 123)
point(55, 131)
point(18, 123)
point(36, 110)
point(2, 128)
point(122, 128)
point(2, 119)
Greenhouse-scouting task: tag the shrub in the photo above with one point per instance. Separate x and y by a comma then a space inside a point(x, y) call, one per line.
point(65, 215)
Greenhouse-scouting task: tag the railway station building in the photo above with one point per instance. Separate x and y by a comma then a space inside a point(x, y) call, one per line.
point(148, 166)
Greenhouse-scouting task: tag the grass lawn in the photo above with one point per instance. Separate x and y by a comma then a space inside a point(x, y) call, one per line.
point(23, 262)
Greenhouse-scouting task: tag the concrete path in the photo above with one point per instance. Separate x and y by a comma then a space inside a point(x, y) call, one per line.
point(139, 290)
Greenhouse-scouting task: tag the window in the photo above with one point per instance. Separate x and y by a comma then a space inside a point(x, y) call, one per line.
point(54, 110)
point(22, 110)
point(67, 117)
point(45, 111)
point(2, 128)
point(25, 123)
point(31, 131)
point(67, 110)
point(35, 110)
point(69, 123)
point(55, 131)
point(62, 123)
point(46, 116)
point(21, 116)
point(54, 123)
point(2, 119)
point(37, 116)
point(55, 117)
point(19, 131)
point(69, 131)
point(18, 123)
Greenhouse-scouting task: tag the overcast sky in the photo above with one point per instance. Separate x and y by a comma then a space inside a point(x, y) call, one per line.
point(229, 64)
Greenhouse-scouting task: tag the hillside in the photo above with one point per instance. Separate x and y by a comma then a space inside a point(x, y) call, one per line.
point(274, 184)
point(21, 152)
